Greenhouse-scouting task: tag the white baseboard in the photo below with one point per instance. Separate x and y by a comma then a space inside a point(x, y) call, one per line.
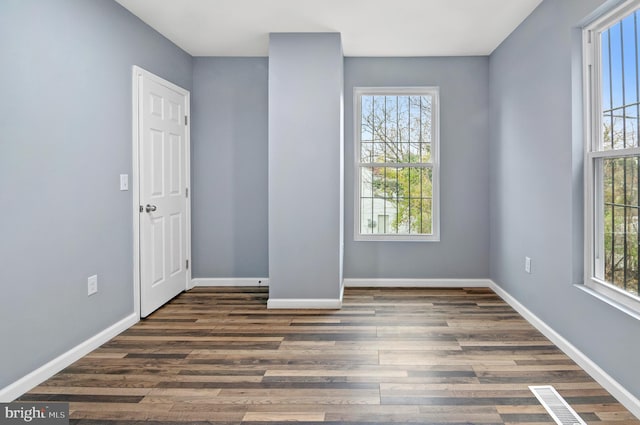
point(355, 283)
point(298, 303)
point(417, 283)
point(627, 399)
point(231, 281)
point(38, 376)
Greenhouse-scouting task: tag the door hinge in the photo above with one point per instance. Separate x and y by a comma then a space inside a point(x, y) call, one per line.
point(186, 192)
point(186, 120)
point(187, 264)
point(141, 208)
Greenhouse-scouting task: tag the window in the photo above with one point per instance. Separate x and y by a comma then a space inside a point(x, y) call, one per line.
point(612, 162)
point(396, 172)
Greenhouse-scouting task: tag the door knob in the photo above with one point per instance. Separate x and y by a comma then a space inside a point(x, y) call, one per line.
point(150, 208)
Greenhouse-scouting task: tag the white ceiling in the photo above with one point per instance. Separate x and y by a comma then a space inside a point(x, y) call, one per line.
point(368, 27)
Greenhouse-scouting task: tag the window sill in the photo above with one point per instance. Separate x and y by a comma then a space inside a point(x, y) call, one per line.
point(613, 303)
point(387, 238)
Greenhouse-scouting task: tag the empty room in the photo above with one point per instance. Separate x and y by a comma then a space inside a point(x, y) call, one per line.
point(321, 211)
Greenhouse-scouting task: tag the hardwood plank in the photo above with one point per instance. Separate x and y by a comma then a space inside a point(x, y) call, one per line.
point(400, 355)
point(283, 417)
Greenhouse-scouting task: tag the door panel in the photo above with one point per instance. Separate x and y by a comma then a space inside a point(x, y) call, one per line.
point(157, 163)
point(157, 250)
point(163, 219)
point(175, 165)
point(175, 246)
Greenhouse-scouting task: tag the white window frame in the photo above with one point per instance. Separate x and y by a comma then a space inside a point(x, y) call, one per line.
point(593, 193)
point(434, 165)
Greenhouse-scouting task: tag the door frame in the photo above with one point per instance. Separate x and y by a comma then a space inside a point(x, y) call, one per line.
point(137, 74)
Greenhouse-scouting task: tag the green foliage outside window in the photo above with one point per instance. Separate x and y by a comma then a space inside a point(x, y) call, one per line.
point(621, 205)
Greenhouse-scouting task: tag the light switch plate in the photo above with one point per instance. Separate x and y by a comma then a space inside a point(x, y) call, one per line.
point(124, 181)
point(92, 284)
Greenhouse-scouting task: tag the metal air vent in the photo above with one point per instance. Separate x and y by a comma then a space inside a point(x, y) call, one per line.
point(556, 406)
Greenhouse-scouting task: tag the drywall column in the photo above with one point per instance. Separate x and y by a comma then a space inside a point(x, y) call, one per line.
point(306, 158)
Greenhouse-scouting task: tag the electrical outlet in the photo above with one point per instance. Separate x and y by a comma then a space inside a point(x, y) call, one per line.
point(92, 284)
point(527, 264)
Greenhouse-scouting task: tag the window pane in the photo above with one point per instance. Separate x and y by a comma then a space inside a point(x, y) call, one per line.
point(629, 59)
point(372, 152)
point(376, 120)
point(607, 125)
point(420, 216)
point(366, 152)
point(618, 129)
point(426, 224)
point(403, 126)
point(395, 129)
point(366, 215)
point(391, 128)
point(426, 152)
point(403, 119)
point(425, 106)
point(403, 194)
point(383, 223)
point(620, 227)
point(366, 120)
point(377, 194)
point(620, 84)
point(615, 65)
point(630, 129)
point(415, 119)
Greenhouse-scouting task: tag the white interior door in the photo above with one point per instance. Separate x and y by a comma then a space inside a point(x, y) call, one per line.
point(163, 191)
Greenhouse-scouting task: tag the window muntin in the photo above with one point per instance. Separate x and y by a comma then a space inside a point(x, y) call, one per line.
point(612, 46)
point(396, 164)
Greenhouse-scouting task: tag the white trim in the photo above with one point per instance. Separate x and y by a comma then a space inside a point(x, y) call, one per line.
point(594, 154)
point(433, 91)
point(588, 100)
point(138, 73)
point(604, 298)
point(614, 153)
point(41, 374)
point(230, 281)
point(612, 15)
point(187, 182)
point(417, 283)
point(306, 303)
point(135, 185)
point(621, 394)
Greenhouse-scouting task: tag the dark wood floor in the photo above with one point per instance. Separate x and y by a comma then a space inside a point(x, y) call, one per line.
point(217, 355)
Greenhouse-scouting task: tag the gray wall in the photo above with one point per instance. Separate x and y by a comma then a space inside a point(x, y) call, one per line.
point(229, 137)
point(229, 168)
point(66, 137)
point(464, 156)
point(305, 165)
point(535, 182)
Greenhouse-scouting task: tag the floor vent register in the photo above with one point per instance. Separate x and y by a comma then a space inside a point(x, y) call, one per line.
point(556, 406)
